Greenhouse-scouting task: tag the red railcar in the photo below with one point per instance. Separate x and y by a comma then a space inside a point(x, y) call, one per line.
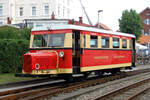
point(70, 50)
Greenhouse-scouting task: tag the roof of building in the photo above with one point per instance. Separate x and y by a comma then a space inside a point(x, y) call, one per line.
point(69, 21)
point(75, 27)
point(79, 23)
point(144, 39)
point(144, 10)
point(103, 26)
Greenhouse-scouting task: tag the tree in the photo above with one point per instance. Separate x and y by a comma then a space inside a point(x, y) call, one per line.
point(131, 23)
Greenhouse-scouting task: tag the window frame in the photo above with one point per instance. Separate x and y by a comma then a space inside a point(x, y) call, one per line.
point(46, 10)
point(124, 47)
point(47, 41)
point(95, 39)
point(21, 11)
point(107, 42)
point(118, 39)
point(33, 10)
point(130, 44)
point(147, 21)
point(1, 10)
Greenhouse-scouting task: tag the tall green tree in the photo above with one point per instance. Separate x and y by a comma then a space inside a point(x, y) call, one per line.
point(131, 23)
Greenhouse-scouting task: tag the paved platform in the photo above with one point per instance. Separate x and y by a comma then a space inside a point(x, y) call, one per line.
point(141, 67)
point(138, 67)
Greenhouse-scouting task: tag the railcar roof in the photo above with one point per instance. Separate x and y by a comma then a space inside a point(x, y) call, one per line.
point(75, 27)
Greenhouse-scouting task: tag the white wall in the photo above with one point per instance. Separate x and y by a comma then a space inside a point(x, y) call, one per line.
point(61, 8)
point(5, 10)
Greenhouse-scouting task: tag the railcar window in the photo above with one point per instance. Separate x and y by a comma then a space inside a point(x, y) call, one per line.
point(93, 41)
point(105, 42)
point(40, 41)
point(115, 42)
point(124, 43)
point(84, 40)
point(56, 40)
point(131, 44)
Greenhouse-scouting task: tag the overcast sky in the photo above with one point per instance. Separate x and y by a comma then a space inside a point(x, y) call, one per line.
point(112, 10)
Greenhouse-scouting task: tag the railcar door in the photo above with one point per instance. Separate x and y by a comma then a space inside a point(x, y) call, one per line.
point(132, 43)
point(76, 51)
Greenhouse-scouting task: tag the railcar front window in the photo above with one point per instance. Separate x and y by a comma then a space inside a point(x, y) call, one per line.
point(48, 40)
point(56, 40)
point(40, 41)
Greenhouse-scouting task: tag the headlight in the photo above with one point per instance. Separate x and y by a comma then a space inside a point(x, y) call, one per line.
point(37, 66)
point(61, 54)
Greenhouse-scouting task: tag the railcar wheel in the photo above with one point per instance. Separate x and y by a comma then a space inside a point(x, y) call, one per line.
point(115, 71)
point(86, 74)
point(99, 73)
point(67, 77)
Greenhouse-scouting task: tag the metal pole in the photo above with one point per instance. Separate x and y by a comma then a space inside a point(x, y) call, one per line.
point(98, 18)
point(98, 21)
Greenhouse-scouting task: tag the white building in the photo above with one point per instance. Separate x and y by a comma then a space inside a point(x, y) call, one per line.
point(18, 10)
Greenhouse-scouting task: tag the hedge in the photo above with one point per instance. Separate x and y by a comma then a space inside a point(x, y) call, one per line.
point(11, 54)
point(8, 32)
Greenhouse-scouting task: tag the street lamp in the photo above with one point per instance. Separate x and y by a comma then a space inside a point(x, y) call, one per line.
point(98, 17)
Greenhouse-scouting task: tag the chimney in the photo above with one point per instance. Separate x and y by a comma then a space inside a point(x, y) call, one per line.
point(53, 16)
point(80, 19)
point(8, 20)
point(72, 21)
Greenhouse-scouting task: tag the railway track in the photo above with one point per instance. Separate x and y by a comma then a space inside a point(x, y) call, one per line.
point(48, 92)
point(128, 92)
point(14, 93)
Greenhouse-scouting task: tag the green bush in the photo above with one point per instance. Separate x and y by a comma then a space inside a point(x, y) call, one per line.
point(11, 54)
point(8, 32)
point(14, 43)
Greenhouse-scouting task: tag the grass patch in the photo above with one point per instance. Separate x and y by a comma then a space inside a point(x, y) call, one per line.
point(10, 77)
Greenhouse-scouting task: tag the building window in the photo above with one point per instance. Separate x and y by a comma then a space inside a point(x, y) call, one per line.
point(63, 11)
point(115, 42)
point(145, 34)
point(30, 25)
point(105, 42)
point(1, 10)
point(147, 14)
point(33, 11)
point(143, 31)
point(1, 23)
point(39, 25)
point(147, 21)
point(46, 9)
point(21, 11)
point(93, 41)
point(124, 43)
point(58, 9)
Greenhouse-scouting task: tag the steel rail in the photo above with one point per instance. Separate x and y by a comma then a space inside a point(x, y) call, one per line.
point(138, 93)
point(122, 90)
